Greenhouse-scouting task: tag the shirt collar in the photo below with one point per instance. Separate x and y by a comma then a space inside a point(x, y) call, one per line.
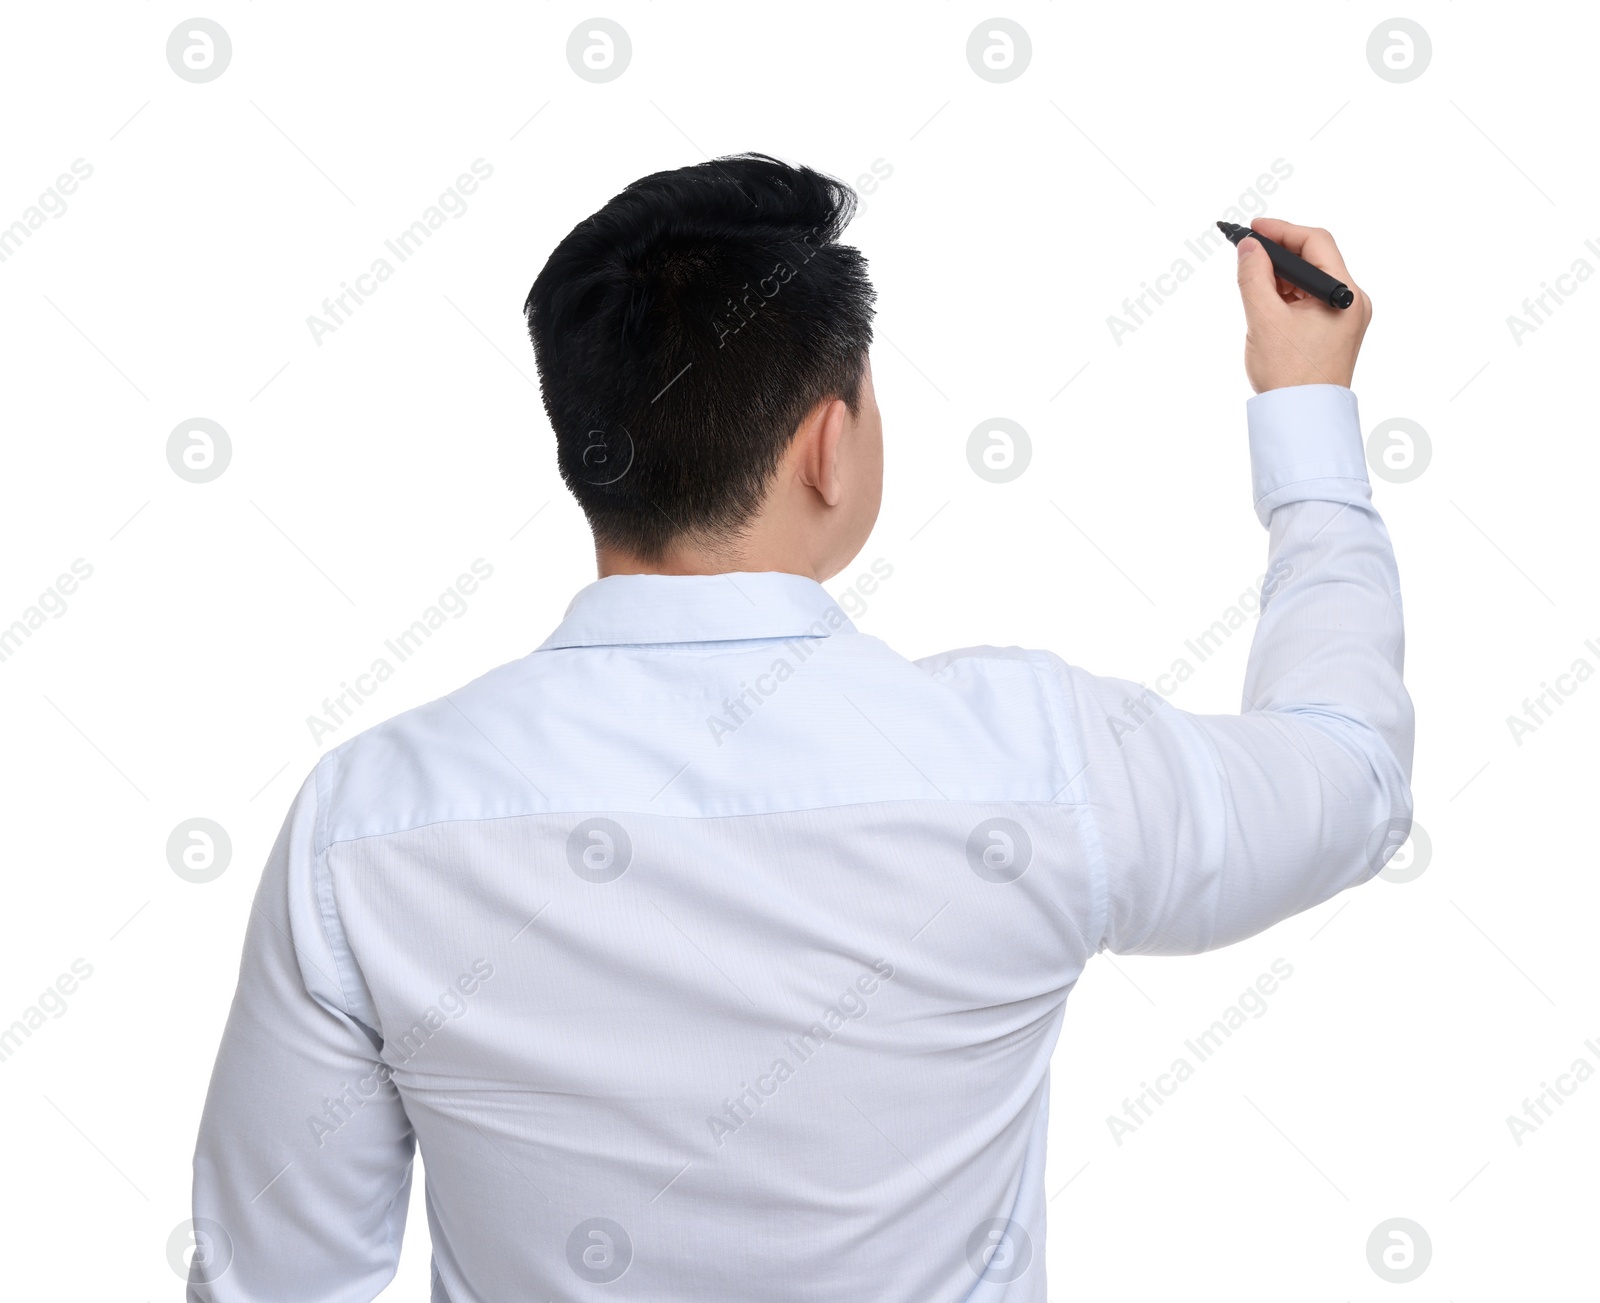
point(698, 608)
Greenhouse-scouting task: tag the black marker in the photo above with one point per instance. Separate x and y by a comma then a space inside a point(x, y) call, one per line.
point(1295, 269)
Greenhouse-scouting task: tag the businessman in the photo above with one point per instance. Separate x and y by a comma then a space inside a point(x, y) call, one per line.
point(713, 952)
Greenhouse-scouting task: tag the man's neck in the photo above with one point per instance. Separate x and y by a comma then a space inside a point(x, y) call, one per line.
point(699, 561)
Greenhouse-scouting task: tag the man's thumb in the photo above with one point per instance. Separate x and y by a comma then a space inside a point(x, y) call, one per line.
point(1258, 283)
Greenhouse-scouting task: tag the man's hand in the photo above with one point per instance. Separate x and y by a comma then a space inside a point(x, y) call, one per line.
point(1290, 338)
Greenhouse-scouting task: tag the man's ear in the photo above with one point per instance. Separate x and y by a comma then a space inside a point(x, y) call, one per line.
point(823, 433)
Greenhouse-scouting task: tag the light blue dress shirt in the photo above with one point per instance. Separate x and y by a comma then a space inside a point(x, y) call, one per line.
point(714, 952)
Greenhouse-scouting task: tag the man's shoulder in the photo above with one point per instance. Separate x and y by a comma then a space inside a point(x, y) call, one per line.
point(441, 760)
point(557, 731)
point(1053, 673)
point(987, 658)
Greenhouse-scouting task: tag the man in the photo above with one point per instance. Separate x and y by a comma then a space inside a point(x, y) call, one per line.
point(712, 951)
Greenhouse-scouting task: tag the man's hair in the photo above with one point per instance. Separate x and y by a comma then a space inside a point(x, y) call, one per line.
point(684, 331)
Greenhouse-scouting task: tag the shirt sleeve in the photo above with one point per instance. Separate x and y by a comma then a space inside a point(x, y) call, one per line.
point(302, 1172)
point(1211, 828)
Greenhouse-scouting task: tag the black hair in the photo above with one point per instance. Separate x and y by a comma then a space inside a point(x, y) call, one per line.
point(684, 331)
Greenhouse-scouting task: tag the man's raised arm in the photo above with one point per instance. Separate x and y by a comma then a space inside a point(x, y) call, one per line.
point(1212, 828)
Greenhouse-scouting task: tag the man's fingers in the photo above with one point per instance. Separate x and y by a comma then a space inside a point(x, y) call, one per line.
point(1258, 285)
point(1312, 243)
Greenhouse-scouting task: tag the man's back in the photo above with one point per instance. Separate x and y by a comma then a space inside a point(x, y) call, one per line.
point(714, 952)
point(718, 952)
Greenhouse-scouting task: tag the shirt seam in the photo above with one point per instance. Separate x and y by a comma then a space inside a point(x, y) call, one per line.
point(322, 882)
point(690, 644)
point(1088, 826)
point(1331, 474)
point(658, 814)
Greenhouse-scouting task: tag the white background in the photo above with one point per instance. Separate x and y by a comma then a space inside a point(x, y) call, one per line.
point(369, 470)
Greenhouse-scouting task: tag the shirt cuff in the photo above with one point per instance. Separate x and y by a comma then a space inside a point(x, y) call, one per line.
point(1305, 444)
